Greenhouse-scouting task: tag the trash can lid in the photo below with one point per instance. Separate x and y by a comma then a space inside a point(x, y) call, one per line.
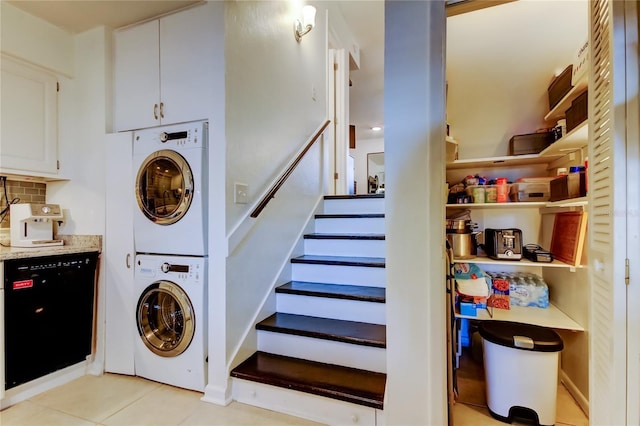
point(521, 336)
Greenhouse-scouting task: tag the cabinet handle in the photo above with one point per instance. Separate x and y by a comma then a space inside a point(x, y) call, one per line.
point(127, 261)
point(161, 109)
point(155, 111)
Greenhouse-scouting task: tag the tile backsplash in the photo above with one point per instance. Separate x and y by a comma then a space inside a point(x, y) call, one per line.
point(26, 192)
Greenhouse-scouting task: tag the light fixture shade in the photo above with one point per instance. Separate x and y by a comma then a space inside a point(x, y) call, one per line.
point(307, 24)
point(308, 17)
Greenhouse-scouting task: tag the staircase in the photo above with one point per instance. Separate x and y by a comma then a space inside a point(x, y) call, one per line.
point(322, 355)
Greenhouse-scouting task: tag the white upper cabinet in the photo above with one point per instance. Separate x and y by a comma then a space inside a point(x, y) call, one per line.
point(29, 119)
point(159, 75)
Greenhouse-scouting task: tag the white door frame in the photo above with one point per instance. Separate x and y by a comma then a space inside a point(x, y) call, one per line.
point(338, 113)
point(632, 18)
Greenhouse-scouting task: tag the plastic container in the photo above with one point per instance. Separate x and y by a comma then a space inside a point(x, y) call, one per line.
point(521, 370)
point(502, 195)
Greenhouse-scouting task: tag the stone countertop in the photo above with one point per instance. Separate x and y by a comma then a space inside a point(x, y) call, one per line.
point(72, 244)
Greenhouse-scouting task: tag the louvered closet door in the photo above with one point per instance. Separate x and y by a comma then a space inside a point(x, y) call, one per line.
point(607, 205)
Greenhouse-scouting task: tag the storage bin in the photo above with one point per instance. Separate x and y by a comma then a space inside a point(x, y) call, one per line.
point(577, 112)
point(531, 189)
point(521, 370)
point(573, 185)
point(531, 143)
point(560, 86)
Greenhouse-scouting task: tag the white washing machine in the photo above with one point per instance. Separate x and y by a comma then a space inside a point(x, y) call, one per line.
point(171, 345)
point(170, 188)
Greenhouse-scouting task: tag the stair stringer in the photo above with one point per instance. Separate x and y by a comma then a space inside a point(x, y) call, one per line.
point(248, 343)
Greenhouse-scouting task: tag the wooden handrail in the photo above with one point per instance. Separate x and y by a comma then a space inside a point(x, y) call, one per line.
point(276, 186)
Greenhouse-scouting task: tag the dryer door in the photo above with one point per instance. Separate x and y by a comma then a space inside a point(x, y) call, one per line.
point(165, 318)
point(164, 187)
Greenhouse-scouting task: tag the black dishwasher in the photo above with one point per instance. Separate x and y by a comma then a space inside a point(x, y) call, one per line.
point(48, 314)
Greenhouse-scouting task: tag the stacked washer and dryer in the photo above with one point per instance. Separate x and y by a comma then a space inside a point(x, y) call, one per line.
point(170, 235)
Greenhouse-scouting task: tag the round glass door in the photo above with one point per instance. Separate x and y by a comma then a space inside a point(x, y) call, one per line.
point(165, 317)
point(164, 187)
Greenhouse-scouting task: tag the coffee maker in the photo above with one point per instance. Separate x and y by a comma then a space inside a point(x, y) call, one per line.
point(32, 224)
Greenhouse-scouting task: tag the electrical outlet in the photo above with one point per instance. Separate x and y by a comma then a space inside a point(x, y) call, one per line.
point(241, 193)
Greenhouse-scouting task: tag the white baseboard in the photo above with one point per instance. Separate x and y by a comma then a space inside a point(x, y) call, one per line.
point(582, 401)
point(43, 384)
point(217, 395)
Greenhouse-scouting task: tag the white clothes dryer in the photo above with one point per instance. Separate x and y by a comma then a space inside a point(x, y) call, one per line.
point(171, 344)
point(170, 189)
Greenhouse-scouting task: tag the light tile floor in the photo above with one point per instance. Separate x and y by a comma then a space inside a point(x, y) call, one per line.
point(115, 400)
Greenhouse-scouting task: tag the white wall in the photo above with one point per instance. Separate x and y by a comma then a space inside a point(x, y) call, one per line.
point(270, 115)
point(364, 147)
point(269, 83)
point(37, 41)
point(500, 62)
point(414, 161)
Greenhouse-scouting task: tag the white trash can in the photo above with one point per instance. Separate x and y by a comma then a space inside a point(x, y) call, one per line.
point(521, 370)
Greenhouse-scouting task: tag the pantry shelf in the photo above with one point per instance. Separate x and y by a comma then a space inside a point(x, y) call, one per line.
point(506, 161)
point(482, 260)
point(521, 205)
point(546, 317)
point(574, 140)
point(560, 109)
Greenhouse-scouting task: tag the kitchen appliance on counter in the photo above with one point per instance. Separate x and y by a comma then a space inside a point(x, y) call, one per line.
point(503, 244)
point(32, 224)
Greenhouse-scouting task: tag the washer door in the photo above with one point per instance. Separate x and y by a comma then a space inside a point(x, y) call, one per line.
point(164, 187)
point(165, 317)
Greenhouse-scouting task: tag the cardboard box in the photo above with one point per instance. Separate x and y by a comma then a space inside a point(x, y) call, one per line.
point(499, 297)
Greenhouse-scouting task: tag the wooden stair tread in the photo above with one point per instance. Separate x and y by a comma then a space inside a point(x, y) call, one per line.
point(334, 291)
point(317, 236)
point(375, 262)
point(358, 333)
point(352, 197)
point(343, 383)
point(350, 216)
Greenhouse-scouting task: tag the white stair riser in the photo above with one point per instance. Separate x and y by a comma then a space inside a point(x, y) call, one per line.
point(320, 350)
point(325, 307)
point(307, 406)
point(335, 274)
point(338, 247)
point(359, 225)
point(357, 206)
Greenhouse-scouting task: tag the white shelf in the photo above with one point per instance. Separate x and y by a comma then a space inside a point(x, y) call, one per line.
point(574, 140)
point(551, 317)
point(560, 109)
point(570, 202)
point(510, 205)
point(506, 161)
point(482, 260)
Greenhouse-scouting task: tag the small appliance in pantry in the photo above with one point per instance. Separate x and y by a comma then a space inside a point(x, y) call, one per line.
point(31, 225)
point(503, 244)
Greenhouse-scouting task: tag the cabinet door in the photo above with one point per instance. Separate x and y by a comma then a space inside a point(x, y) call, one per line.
point(185, 45)
point(120, 329)
point(137, 77)
point(29, 118)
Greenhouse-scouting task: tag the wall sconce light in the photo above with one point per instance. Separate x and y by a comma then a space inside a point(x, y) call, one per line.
point(307, 24)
